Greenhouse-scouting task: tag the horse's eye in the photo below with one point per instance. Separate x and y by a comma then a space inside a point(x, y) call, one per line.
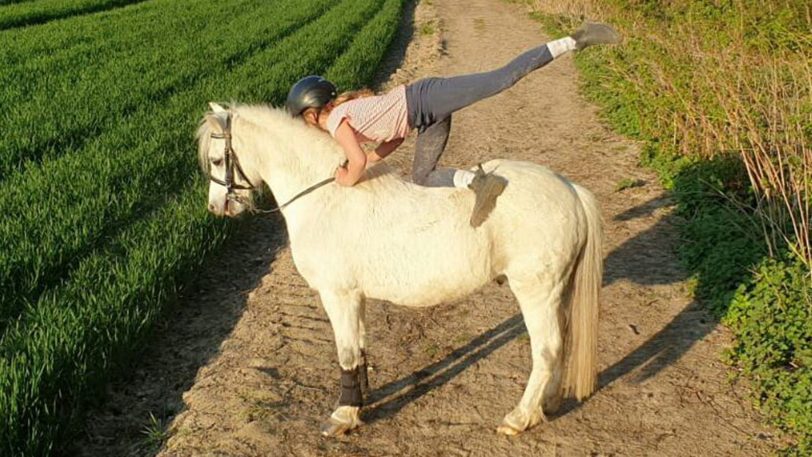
point(217, 162)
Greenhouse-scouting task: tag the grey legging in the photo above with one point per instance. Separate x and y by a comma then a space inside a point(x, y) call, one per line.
point(431, 101)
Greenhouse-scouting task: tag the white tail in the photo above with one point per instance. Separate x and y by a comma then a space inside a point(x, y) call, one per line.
point(581, 340)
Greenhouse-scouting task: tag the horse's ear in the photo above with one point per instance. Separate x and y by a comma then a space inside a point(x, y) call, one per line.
point(216, 107)
point(217, 121)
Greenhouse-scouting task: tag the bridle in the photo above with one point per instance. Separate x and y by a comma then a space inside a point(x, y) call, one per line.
point(232, 163)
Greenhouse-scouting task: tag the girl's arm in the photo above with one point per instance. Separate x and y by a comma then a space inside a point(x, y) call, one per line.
point(384, 149)
point(356, 158)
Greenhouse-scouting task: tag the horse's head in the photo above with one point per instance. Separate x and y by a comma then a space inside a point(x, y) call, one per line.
point(229, 188)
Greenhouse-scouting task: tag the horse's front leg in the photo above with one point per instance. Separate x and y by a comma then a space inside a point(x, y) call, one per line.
point(344, 310)
point(362, 330)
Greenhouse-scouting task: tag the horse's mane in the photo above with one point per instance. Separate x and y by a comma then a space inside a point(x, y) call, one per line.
point(249, 112)
point(203, 137)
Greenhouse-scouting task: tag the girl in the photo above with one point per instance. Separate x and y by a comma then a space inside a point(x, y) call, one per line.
point(359, 117)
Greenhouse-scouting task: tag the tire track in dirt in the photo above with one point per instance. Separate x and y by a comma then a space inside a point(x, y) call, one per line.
point(443, 378)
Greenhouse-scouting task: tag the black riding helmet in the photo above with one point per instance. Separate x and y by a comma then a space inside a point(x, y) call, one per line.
point(309, 92)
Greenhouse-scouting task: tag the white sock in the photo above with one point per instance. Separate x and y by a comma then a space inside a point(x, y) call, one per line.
point(560, 46)
point(462, 178)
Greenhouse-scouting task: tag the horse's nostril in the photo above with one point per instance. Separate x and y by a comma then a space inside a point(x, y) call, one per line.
point(211, 207)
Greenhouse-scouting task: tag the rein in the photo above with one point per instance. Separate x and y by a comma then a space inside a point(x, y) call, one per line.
point(232, 163)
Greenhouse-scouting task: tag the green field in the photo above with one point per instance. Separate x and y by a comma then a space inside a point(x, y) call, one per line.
point(105, 211)
point(23, 13)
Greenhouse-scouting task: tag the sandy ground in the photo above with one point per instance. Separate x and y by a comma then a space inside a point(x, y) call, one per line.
point(246, 365)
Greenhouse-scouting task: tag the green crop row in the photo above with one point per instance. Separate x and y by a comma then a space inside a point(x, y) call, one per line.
point(360, 61)
point(74, 334)
point(12, 2)
point(30, 13)
point(88, 194)
point(85, 84)
point(53, 362)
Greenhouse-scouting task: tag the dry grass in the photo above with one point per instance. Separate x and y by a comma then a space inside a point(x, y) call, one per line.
point(721, 79)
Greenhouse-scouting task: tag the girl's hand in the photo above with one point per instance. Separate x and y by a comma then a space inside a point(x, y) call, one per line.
point(384, 149)
point(342, 177)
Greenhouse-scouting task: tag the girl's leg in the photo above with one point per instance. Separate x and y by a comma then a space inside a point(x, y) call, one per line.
point(433, 100)
point(439, 97)
point(431, 142)
point(446, 95)
point(429, 146)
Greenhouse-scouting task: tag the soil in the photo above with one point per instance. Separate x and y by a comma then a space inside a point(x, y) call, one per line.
point(246, 365)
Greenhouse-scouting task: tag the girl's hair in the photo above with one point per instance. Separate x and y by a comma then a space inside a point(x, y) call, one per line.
point(342, 98)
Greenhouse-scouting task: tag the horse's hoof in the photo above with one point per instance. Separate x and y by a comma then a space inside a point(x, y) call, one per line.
point(343, 419)
point(509, 426)
point(335, 428)
point(508, 430)
point(518, 421)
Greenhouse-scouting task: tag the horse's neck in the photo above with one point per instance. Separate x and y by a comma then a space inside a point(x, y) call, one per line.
point(291, 157)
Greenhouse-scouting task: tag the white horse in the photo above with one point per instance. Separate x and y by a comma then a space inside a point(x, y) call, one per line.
point(388, 239)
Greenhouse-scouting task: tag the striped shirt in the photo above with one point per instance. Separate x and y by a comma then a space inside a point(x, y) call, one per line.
point(379, 118)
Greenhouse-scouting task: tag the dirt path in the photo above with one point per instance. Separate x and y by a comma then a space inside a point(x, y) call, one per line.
point(443, 378)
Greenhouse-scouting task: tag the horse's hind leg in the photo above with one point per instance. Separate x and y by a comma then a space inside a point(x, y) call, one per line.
point(343, 309)
point(539, 299)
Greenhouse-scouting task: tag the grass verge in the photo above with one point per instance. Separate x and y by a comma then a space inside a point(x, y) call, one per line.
point(680, 83)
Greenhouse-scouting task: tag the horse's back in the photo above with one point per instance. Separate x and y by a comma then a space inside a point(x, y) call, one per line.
point(539, 220)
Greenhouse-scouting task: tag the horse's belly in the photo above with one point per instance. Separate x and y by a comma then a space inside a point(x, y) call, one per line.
point(426, 278)
point(417, 272)
point(423, 293)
